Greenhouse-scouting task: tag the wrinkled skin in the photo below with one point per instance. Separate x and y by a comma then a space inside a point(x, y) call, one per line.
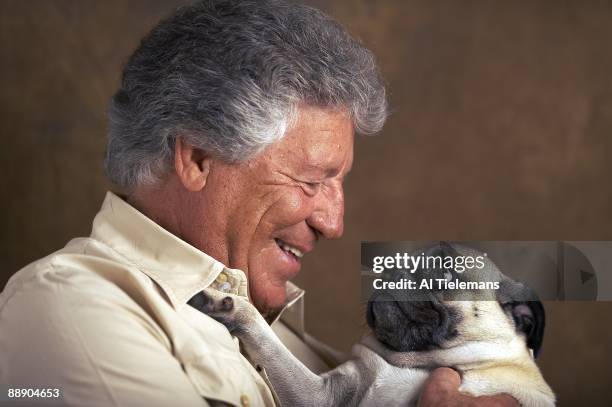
point(239, 213)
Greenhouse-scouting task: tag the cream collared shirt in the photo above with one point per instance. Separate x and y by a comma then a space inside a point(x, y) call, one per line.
point(106, 321)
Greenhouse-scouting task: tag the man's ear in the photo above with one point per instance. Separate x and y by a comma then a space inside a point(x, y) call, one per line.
point(192, 165)
point(529, 318)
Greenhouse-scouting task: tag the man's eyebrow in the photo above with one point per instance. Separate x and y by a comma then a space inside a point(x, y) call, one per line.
point(328, 172)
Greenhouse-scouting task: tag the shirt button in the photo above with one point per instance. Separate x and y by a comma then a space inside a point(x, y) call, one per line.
point(244, 400)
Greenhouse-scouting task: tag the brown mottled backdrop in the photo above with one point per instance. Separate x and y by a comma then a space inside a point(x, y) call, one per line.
point(502, 114)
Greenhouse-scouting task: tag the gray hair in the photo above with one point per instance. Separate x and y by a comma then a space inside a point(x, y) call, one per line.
point(228, 77)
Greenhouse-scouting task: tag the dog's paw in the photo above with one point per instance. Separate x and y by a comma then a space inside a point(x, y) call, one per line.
point(231, 310)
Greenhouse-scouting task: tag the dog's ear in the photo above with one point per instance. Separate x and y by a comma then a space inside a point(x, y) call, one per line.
point(529, 318)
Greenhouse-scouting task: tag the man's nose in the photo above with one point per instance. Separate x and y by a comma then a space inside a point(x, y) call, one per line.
point(328, 217)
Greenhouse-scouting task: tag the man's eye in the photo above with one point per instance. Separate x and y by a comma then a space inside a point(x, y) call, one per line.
point(311, 187)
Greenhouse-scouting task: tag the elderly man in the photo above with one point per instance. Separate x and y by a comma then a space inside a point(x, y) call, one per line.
point(229, 140)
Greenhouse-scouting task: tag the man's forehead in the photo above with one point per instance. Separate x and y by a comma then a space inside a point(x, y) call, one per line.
point(320, 137)
point(317, 163)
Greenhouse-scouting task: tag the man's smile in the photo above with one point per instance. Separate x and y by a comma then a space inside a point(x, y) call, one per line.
point(296, 250)
point(291, 255)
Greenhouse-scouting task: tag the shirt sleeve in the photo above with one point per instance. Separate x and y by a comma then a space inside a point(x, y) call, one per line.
point(84, 336)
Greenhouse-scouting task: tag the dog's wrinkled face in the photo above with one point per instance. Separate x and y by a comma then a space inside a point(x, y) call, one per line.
point(447, 318)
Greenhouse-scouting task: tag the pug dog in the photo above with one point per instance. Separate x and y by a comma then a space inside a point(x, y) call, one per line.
point(490, 337)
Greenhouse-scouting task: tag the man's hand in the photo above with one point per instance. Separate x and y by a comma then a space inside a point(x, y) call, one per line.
point(442, 389)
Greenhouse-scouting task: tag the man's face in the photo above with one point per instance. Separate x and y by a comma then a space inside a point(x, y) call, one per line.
point(271, 210)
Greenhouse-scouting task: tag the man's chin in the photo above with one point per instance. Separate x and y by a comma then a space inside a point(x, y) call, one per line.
point(269, 299)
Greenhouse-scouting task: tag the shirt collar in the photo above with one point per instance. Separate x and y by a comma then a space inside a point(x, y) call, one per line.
point(180, 270)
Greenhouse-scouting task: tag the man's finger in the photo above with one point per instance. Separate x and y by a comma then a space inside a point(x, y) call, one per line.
point(442, 388)
point(446, 378)
point(441, 385)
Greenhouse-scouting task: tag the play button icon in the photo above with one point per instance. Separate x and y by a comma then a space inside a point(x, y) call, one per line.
point(577, 274)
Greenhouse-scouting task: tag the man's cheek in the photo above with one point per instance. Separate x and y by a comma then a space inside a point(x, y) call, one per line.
point(293, 207)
